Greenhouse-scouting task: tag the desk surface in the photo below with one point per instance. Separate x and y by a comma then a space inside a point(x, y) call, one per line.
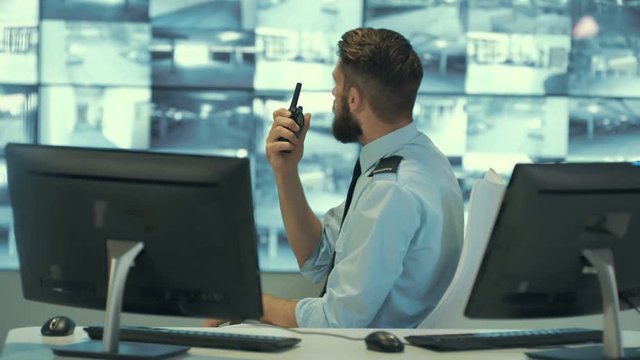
point(27, 343)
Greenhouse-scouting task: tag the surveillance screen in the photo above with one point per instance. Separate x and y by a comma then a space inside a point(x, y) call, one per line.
point(436, 30)
point(18, 41)
point(546, 17)
point(96, 10)
point(603, 129)
point(605, 55)
point(518, 47)
point(104, 117)
point(94, 53)
point(204, 122)
point(192, 57)
point(18, 114)
point(444, 119)
point(8, 252)
point(19, 12)
point(202, 14)
point(4, 203)
point(526, 64)
point(504, 131)
point(18, 122)
point(301, 47)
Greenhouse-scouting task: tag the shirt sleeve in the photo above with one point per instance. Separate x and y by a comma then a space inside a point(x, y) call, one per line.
point(370, 252)
point(318, 263)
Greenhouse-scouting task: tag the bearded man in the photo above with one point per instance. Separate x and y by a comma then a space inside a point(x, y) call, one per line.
point(390, 250)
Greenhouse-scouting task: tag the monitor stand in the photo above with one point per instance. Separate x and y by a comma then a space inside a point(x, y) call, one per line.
point(121, 256)
point(602, 260)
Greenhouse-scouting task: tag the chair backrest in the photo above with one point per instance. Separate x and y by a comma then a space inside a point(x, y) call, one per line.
point(484, 203)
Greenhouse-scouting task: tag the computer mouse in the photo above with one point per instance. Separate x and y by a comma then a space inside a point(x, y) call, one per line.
point(383, 341)
point(58, 326)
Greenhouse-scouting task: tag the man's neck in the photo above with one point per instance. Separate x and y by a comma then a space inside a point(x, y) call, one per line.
point(375, 129)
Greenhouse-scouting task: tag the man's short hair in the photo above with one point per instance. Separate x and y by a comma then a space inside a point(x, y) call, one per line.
point(382, 64)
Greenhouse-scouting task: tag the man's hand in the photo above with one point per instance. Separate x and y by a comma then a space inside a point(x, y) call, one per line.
point(279, 312)
point(275, 311)
point(285, 155)
point(213, 322)
point(218, 322)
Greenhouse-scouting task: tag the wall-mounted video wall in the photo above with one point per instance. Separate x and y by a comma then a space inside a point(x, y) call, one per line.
point(506, 81)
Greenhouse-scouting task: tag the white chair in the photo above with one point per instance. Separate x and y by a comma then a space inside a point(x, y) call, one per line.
point(484, 203)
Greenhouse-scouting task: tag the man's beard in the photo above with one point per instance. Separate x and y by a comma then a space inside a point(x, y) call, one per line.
point(345, 128)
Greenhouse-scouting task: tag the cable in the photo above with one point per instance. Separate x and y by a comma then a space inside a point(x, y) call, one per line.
point(325, 334)
point(302, 332)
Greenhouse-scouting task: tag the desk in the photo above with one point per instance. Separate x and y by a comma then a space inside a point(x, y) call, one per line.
point(27, 343)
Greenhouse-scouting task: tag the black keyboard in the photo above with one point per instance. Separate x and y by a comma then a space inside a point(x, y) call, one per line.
point(198, 338)
point(506, 339)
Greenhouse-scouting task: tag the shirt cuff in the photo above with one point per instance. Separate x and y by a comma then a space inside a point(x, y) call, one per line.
point(310, 313)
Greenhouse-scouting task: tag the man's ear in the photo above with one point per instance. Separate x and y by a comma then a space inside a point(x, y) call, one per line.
point(356, 99)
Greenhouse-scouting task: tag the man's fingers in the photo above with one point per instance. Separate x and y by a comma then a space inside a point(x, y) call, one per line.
point(279, 133)
point(286, 123)
point(306, 127)
point(282, 136)
point(281, 112)
point(279, 146)
point(212, 322)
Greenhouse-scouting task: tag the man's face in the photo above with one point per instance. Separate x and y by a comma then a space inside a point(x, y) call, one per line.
point(345, 127)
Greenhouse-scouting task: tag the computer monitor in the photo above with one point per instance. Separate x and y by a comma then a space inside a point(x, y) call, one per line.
point(183, 224)
point(567, 237)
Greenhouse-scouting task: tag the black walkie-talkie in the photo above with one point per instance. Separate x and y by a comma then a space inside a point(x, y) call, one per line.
point(297, 113)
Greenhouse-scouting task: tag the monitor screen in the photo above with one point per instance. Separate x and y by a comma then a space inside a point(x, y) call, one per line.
point(534, 266)
point(193, 214)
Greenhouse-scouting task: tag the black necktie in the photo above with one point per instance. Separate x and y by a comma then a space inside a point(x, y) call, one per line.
point(354, 178)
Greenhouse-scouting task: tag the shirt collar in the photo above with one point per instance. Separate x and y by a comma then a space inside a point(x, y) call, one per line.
point(385, 145)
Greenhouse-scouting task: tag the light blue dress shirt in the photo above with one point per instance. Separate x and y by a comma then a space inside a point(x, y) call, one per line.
point(399, 245)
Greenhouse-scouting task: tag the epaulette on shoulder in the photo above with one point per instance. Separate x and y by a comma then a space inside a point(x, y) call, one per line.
point(387, 165)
